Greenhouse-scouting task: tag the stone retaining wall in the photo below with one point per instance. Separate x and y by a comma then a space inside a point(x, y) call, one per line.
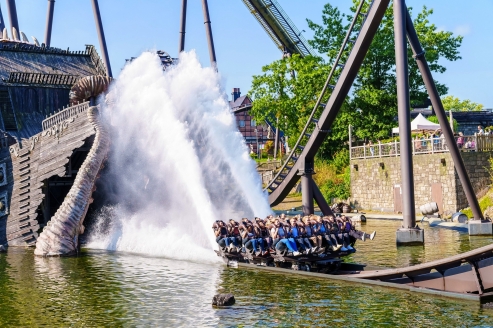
point(375, 183)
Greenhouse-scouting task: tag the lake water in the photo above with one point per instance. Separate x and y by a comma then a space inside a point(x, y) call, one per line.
point(101, 288)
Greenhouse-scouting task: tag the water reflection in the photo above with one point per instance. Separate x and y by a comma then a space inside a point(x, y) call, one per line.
point(284, 300)
point(439, 243)
point(101, 288)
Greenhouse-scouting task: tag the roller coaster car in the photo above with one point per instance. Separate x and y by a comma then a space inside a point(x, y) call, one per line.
point(308, 258)
point(245, 257)
point(324, 263)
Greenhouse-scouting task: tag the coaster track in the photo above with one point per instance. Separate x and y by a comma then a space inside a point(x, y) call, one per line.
point(279, 27)
point(341, 77)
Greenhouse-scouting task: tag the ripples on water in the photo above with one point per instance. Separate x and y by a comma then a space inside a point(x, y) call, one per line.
point(117, 289)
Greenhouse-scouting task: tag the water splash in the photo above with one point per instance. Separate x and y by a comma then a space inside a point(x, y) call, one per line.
point(178, 162)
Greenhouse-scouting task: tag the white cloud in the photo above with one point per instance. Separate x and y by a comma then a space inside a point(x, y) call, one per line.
point(462, 30)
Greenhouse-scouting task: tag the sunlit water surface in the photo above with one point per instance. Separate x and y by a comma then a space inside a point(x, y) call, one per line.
point(101, 288)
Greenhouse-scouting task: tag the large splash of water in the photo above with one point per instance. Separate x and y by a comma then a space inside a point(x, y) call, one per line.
point(178, 162)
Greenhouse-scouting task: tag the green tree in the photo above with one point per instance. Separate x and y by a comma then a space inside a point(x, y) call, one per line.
point(374, 90)
point(455, 104)
point(280, 94)
point(371, 108)
point(434, 119)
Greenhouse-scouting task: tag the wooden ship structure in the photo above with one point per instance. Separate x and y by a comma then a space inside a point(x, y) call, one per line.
point(50, 137)
point(44, 141)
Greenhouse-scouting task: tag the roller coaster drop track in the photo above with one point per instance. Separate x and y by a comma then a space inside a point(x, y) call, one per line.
point(278, 26)
point(299, 163)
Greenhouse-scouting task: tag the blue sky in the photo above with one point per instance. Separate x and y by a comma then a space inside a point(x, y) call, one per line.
point(242, 47)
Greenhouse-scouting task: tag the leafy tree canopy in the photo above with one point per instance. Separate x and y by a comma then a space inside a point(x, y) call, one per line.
point(289, 87)
point(455, 104)
point(434, 119)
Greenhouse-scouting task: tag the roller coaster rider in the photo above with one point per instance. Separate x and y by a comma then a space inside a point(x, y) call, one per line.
point(323, 229)
point(252, 240)
point(281, 239)
point(315, 239)
point(264, 233)
point(342, 235)
point(297, 233)
point(234, 234)
point(356, 234)
point(221, 233)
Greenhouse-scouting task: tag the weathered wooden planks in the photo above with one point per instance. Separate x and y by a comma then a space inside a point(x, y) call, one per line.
point(40, 157)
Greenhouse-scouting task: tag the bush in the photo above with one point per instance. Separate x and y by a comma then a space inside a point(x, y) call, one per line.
point(333, 177)
point(341, 160)
point(269, 147)
point(484, 203)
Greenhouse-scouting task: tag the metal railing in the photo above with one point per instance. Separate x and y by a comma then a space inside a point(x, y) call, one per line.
point(27, 47)
point(64, 114)
point(423, 146)
point(279, 26)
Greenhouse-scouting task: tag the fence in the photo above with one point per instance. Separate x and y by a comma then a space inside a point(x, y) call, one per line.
point(423, 146)
point(64, 114)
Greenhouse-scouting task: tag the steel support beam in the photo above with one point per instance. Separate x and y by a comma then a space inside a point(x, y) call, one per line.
point(2, 22)
point(419, 55)
point(49, 22)
point(307, 193)
point(208, 31)
point(102, 40)
point(337, 98)
point(183, 24)
point(403, 108)
point(320, 199)
point(12, 16)
point(307, 187)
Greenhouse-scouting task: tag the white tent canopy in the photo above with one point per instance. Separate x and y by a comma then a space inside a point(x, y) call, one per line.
point(420, 123)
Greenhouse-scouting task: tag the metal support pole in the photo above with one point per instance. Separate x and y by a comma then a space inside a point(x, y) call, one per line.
point(49, 22)
point(419, 55)
point(276, 141)
point(12, 16)
point(350, 131)
point(403, 102)
point(102, 40)
point(183, 25)
point(208, 30)
point(307, 186)
point(2, 22)
point(319, 198)
point(307, 193)
point(256, 138)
